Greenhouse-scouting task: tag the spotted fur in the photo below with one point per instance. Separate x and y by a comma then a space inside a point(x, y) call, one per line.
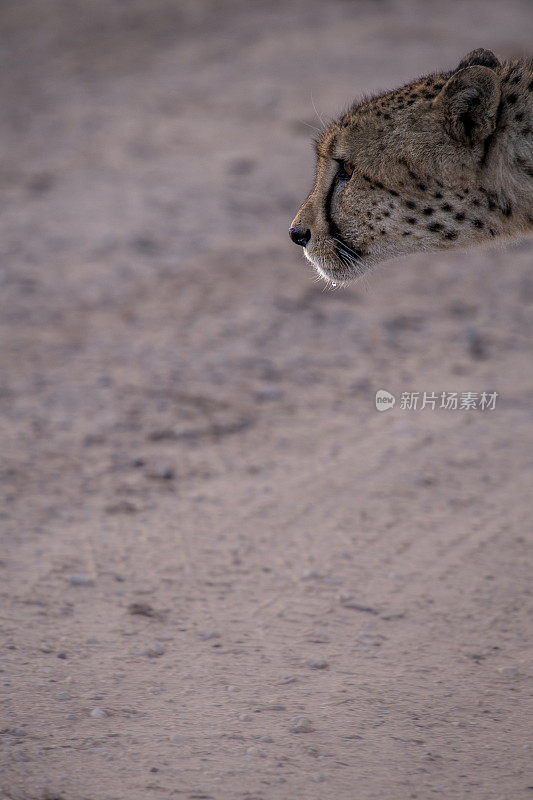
point(444, 162)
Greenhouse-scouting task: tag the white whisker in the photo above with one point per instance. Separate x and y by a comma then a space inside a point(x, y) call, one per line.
point(324, 126)
point(347, 248)
point(308, 125)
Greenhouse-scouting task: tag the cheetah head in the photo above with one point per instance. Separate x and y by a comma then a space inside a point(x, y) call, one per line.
point(401, 172)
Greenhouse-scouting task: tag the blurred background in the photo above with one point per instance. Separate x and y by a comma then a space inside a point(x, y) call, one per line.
point(224, 573)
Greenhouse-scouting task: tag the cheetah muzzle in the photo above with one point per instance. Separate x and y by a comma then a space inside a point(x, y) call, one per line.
point(444, 162)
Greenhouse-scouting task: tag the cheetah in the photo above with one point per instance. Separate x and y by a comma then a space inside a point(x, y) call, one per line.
point(443, 162)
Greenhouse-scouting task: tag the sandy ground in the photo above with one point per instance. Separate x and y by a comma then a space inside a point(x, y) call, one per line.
point(224, 574)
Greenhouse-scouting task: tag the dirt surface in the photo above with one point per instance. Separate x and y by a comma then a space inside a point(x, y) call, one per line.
point(224, 574)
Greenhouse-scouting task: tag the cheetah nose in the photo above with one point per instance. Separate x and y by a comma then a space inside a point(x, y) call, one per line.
point(300, 235)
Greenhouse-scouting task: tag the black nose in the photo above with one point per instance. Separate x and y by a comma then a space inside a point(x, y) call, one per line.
point(300, 235)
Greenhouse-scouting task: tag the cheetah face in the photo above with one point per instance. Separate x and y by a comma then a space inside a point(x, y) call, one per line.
point(400, 173)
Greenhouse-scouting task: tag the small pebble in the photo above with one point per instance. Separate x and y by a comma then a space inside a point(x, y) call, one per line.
point(80, 580)
point(349, 601)
point(63, 696)
point(318, 638)
point(154, 650)
point(318, 777)
point(320, 663)
point(98, 713)
point(206, 633)
point(301, 725)
point(266, 739)
point(162, 472)
point(508, 670)
point(143, 609)
point(245, 718)
point(122, 507)
point(287, 679)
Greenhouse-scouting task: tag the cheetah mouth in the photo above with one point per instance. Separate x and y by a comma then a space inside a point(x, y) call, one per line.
point(338, 262)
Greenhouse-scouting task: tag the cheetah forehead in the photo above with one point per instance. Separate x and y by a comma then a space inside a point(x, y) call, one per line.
point(426, 87)
point(380, 115)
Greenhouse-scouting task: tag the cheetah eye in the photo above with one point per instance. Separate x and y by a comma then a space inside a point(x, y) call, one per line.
point(345, 169)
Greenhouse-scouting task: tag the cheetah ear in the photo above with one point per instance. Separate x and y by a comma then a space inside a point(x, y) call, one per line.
point(479, 58)
point(468, 104)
